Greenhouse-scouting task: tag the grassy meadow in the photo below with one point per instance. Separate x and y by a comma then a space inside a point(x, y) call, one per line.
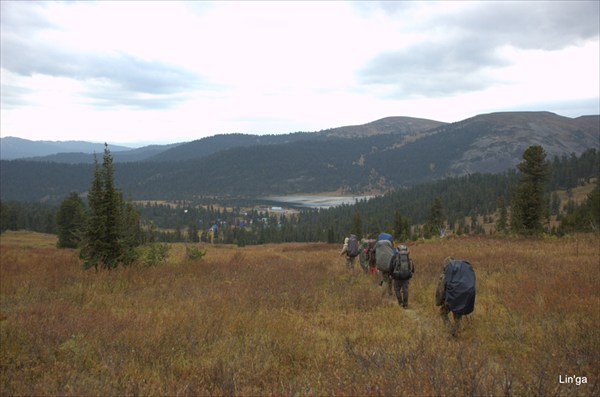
point(289, 319)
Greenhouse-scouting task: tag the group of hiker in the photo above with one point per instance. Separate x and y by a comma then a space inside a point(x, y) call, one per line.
point(455, 292)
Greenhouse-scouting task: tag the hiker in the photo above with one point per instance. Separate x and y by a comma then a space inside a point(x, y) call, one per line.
point(384, 252)
point(364, 258)
point(455, 291)
point(371, 257)
point(212, 233)
point(403, 269)
point(351, 250)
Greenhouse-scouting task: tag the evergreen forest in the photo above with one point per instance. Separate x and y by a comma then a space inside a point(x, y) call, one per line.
point(458, 205)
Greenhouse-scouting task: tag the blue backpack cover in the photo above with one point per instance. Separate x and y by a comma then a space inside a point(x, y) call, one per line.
point(460, 286)
point(385, 236)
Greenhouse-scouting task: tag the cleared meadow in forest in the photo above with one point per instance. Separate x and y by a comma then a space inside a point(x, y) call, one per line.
point(288, 319)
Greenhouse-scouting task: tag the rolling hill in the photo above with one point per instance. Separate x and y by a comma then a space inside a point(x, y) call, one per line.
point(12, 148)
point(375, 157)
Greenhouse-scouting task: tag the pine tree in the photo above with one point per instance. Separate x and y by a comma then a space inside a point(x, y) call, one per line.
point(113, 229)
point(8, 217)
point(193, 233)
point(585, 217)
point(528, 204)
point(70, 221)
point(435, 219)
point(401, 227)
point(356, 224)
point(503, 215)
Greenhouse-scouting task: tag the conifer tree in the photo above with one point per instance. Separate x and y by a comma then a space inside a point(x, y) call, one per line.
point(502, 216)
point(193, 233)
point(435, 219)
point(70, 221)
point(401, 227)
point(110, 235)
point(356, 225)
point(585, 217)
point(528, 204)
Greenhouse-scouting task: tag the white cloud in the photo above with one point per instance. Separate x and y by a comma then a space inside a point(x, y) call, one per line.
point(174, 71)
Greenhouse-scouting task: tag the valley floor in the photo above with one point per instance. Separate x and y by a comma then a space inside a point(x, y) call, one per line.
point(289, 319)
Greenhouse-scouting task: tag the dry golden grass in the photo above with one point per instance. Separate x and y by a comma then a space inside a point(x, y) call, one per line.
point(290, 320)
point(578, 194)
point(29, 239)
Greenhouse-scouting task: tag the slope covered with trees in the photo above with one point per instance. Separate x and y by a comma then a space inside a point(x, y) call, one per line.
point(465, 201)
point(252, 166)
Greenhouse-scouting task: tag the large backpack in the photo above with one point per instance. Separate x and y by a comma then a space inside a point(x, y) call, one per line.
point(460, 286)
point(353, 248)
point(370, 252)
point(401, 266)
point(385, 236)
point(384, 252)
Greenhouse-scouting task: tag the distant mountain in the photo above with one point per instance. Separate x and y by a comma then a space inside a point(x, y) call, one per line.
point(494, 142)
point(407, 126)
point(14, 148)
point(124, 156)
point(372, 158)
point(217, 143)
point(65, 152)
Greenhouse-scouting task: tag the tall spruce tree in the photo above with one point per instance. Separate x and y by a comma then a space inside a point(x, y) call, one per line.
point(585, 217)
point(502, 223)
point(401, 227)
point(70, 221)
point(528, 203)
point(435, 219)
point(109, 237)
point(356, 225)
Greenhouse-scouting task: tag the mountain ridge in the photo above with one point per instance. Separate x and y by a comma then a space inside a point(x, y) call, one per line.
point(12, 148)
point(215, 143)
point(380, 158)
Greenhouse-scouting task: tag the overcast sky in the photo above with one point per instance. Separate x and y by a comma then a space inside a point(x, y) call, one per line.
point(163, 72)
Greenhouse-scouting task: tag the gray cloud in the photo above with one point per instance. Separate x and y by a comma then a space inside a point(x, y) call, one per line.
point(464, 46)
point(436, 68)
point(13, 96)
point(105, 96)
point(25, 52)
point(547, 25)
point(123, 72)
point(20, 18)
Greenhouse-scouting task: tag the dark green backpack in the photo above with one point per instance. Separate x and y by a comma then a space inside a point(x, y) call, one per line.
point(401, 266)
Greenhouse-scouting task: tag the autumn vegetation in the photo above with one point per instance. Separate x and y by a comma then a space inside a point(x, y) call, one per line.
point(288, 319)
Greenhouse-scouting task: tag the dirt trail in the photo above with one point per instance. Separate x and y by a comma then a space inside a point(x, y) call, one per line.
point(428, 323)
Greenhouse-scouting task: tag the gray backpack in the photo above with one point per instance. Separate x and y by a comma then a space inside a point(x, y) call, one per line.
point(401, 265)
point(353, 248)
point(384, 253)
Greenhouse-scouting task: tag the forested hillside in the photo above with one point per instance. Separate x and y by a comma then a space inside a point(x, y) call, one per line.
point(241, 220)
point(312, 163)
point(13, 148)
point(83, 152)
point(145, 153)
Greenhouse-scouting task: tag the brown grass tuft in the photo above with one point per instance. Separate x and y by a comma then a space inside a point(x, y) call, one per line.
point(290, 319)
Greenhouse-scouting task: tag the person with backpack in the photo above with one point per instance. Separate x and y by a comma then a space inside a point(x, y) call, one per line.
point(455, 291)
point(370, 256)
point(351, 249)
point(403, 269)
point(384, 253)
point(363, 255)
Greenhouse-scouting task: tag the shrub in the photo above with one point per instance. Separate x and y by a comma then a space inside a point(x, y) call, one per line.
point(194, 253)
point(154, 254)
